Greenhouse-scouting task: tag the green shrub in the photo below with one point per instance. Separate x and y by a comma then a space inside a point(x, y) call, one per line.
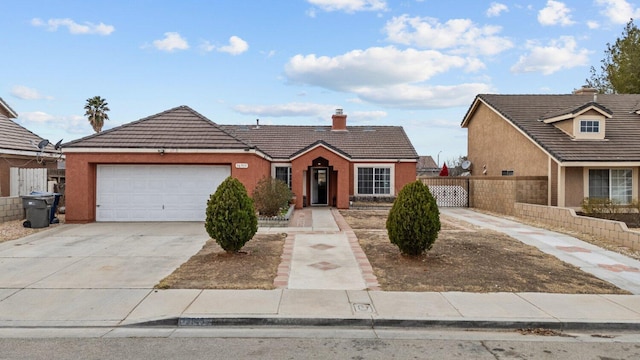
point(414, 219)
point(270, 196)
point(231, 218)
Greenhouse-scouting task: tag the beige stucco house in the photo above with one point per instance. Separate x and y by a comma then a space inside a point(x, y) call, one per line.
point(586, 144)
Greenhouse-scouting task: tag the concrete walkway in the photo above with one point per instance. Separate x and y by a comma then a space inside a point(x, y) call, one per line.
point(321, 256)
point(34, 293)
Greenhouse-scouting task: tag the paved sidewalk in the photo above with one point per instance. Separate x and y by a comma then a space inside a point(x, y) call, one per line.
point(23, 303)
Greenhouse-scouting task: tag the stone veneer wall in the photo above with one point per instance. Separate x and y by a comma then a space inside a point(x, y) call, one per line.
point(613, 231)
point(11, 209)
point(499, 194)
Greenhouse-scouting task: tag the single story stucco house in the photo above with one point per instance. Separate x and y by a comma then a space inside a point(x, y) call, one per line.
point(165, 166)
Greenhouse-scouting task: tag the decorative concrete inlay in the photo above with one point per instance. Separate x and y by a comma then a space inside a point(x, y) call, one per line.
point(366, 308)
point(322, 247)
point(573, 249)
point(618, 268)
point(324, 266)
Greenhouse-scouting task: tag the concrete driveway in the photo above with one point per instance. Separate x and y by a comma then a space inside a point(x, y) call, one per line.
point(97, 271)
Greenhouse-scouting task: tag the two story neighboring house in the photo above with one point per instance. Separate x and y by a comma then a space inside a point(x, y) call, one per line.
point(586, 144)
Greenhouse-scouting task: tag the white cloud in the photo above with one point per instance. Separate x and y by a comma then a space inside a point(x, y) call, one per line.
point(559, 54)
point(73, 124)
point(373, 67)
point(618, 11)
point(348, 6)
point(290, 109)
point(172, 41)
point(387, 76)
point(27, 93)
point(74, 27)
point(457, 35)
point(495, 9)
point(236, 46)
point(36, 117)
point(424, 97)
point(593, 24)
point(555, 13)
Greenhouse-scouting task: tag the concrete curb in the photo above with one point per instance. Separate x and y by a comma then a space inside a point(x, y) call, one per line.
point(387, 323)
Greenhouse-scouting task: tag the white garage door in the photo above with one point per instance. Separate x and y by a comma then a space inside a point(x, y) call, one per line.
point(156, 192)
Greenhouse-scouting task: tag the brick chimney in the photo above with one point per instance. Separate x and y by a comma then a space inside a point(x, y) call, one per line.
point(339, 121)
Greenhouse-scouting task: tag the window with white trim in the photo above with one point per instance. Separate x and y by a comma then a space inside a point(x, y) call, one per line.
point(283, 173)
point(374, 180)
point(614, 184)
point(589, 126)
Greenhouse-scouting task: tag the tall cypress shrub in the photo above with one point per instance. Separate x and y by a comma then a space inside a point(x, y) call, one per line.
point(231, 217)
point(414, 219)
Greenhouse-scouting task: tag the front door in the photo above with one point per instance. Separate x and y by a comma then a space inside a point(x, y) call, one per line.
point(319, 186)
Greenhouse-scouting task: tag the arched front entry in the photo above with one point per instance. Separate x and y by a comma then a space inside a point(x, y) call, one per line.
point(322, 177)
point(320, 182)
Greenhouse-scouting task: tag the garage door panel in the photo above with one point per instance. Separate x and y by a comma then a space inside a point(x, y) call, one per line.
point(156, 192)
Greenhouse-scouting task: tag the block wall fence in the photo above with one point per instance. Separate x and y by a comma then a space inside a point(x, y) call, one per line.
point(11, 209)
point(615, 232)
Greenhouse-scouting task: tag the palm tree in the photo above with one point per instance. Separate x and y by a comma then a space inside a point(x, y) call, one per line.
point(96, 112)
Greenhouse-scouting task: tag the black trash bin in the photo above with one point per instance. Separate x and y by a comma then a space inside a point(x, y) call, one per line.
point(37, 209)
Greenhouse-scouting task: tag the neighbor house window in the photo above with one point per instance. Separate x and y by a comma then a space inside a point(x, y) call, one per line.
point(614, 184)
point(284, 173)
point(374, 180)
point(507, 172)
point(589, 126)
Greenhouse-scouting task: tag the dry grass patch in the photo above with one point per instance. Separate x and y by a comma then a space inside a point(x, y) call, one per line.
point(254, 267)
point(465, 258)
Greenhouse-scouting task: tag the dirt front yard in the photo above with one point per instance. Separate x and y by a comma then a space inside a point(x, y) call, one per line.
point(466, 258)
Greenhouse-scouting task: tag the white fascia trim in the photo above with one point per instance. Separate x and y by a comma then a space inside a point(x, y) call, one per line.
point(27, 153)
point(385, 161)
point(8, 109)
point(165, 150)
point(601, 164)
point(324, 146)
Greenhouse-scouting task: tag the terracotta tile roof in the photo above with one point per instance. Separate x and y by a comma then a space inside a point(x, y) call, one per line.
point(427, 163)
point(177, 128)
point(622, 131)
point(358, 142)
point(184, 128)
point(14, 137)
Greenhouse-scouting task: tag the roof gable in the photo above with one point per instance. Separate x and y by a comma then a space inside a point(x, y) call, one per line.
point(571, 113)
point(177, 128)
point(323, 144)
point(525, 112)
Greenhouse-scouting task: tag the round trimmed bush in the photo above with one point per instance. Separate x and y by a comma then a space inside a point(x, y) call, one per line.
point(270, 196)
point(231, 218)
point(414, 219)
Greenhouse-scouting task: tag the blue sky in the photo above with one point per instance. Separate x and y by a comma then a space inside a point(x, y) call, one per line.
point(414, 63)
